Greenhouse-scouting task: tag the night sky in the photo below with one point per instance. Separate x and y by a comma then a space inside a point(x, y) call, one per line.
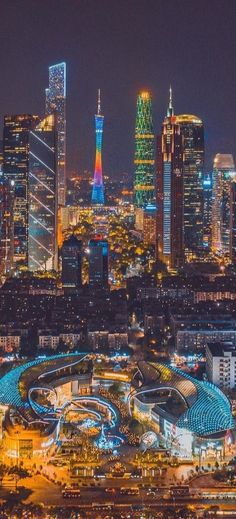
point(121, 46)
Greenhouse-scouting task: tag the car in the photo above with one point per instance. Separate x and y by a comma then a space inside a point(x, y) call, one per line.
point(110, 490)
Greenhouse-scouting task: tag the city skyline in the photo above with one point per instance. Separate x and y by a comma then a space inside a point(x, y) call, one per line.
point(110, 62)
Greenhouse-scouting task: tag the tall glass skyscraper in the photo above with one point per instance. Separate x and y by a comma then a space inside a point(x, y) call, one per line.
point(15, 170)
point(98, 188)
point(7, 190)
point(223, 174)
point(56, 104)
point(98, 262)
point(170, 191)
point(192, 130)
point(42, 196)
point(144, 159)
point(71, 264)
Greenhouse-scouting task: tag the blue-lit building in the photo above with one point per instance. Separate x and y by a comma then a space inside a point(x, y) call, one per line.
point(71, 253)
point(56, 104)
point(170, 192)
point(42, 197)
point(193, 416)
point(98, 262)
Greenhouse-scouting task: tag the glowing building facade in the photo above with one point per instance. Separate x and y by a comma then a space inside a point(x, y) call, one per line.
point(170, 191)
point(15, 170)
point(56, 104)
point(233, 222)
point(192, 130)
point(42, 196)
point(98, 188)
point(223, 173)
point(144, 160)
point(207, 211)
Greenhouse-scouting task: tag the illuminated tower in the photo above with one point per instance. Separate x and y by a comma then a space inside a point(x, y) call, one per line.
point(98, 188)
point(56, 104)
point(42, 196)
point(144, 190)
point(170, 191)
point(16, 173)
point(223, 173)
point(192, 130)
point(233, 222)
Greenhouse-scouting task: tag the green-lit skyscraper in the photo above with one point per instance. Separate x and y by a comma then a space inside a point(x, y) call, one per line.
point(144, 160)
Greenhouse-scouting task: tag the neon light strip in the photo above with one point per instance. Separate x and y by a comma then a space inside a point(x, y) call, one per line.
point(40, 182)
point(41, 161)
point(37, 221)
point(41, 140)
point(41, 245)
point(41, 203)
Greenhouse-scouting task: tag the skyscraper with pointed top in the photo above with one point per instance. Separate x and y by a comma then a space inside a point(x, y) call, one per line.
point(98, 187)
point(170, 190)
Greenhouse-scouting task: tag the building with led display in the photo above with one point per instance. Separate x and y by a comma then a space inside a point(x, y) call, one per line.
point(98, 262)
point(16, 170)
point(98, 188)
point(233, 222)
point(144, 159)
point(223, 173)
point(71, 252)
point(207, 210)
point(170, 191)
point(42, 197)
point(190, 414)
point(56, 104)
point(192, 130)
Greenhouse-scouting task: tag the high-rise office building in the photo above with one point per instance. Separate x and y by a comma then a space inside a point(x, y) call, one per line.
point(56, 104)
point(233, 222)
point(192, 130)
point(207, 211)
point(223, 173)
point(170, 191)
point(71, 264)
point(98, 262)
point(144, 160)
point(15, 171)
point(98, 188)
point(42, 196)
point(7, 189)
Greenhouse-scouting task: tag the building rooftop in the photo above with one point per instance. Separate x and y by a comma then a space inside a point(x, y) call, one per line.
point(205, 409)
point(219, 349)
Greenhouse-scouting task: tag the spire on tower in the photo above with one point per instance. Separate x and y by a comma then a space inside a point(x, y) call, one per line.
point(170, 109)
point(99, 101)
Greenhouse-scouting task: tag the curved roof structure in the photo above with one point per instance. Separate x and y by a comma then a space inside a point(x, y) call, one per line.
point(17, 385)
point(188, 118)
point(206, 410)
